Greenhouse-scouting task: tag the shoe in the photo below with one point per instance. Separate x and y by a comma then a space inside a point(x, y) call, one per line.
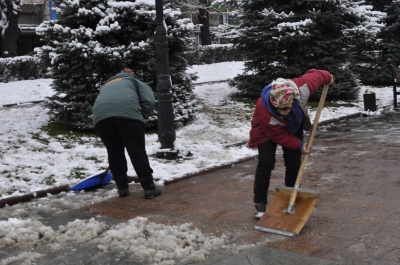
point(260, 210)
point(123, 192)
point(151, 194)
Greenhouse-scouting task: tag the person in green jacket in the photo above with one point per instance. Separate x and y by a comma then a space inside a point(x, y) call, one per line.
point(119, 115)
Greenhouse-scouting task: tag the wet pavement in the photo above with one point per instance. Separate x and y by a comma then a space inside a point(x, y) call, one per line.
point(355, 166)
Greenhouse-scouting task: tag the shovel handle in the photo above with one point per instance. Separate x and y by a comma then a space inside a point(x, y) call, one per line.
point(317, 115)
point(293, 196)
point(103, 175)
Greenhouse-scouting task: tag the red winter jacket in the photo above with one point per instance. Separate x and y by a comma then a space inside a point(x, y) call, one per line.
point(269, 126)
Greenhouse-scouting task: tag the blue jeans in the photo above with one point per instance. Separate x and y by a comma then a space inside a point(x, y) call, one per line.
point(266, 163)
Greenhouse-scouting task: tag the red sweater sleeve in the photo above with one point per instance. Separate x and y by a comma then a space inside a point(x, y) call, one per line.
point(314, 79)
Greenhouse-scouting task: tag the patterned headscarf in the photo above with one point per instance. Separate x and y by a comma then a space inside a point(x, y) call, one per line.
point(283, 92)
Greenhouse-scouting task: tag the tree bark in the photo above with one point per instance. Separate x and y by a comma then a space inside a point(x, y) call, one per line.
point(204, 19)
point(10, 35)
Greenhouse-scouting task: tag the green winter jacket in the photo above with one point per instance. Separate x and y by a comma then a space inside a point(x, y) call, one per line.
point(124, 96)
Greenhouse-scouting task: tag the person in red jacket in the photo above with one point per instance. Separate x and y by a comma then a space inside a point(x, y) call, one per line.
point(280, 118)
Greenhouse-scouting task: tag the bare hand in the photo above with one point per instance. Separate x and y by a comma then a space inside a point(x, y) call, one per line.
point(331, 81)
point(305, 150)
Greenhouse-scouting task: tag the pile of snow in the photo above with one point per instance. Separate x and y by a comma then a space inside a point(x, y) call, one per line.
point(157, 243)
point(144, 240)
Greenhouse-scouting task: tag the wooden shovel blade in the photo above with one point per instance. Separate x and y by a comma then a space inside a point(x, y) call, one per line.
point(276, 221)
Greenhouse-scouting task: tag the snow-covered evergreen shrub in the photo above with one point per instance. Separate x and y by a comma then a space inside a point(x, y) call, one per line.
point(94, 39)
point(390, 45)
point(365, 44)
point(285, 39)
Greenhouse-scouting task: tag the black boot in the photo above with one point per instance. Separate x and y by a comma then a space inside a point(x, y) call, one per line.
point(152, 192)
point(150, 189)
point(122, 185)
point(123, 192)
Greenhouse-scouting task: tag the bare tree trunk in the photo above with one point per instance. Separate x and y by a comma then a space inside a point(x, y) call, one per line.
point(11, 34)
point(204, 19)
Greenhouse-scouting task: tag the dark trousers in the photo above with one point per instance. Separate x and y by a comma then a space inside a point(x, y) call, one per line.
point(266, 163)
point(118, 134)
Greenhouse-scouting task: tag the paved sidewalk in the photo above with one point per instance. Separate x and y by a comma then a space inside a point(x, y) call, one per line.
point(355, 165)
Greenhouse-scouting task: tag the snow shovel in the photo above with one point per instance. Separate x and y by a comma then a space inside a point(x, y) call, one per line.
point(95, 181)
point(291, 207)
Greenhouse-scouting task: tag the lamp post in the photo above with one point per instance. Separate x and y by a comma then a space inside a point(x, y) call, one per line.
point(165, 123)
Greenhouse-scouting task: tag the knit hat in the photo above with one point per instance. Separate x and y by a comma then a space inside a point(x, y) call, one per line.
point(283, 92)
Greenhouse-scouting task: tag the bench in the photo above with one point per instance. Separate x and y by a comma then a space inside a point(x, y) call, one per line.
point(396, 82)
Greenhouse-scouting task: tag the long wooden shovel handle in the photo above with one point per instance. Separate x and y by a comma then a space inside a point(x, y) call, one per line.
point(293, 195)
point(317, 116)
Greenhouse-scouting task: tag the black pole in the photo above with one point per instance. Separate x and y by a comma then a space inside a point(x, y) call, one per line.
point(166, 129)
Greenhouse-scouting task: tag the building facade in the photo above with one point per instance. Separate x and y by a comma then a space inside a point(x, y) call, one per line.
point(33, 13)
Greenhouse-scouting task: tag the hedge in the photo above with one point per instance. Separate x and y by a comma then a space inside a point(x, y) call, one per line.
point(20, 68)
point(215, 53)
point(30, 67)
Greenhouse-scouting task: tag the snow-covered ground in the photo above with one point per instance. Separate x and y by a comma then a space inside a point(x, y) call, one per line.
point(32, 160)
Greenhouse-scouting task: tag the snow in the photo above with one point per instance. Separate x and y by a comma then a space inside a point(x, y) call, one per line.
point(31, 159)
